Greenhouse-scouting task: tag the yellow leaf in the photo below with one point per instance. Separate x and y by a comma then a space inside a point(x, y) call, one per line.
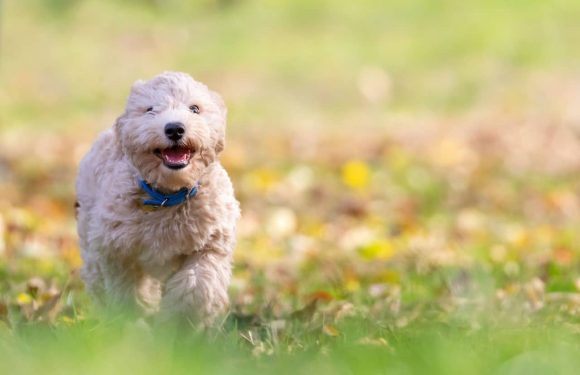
point(356, 174)
point(23, 299)
point(380, 249)
point(330, 330)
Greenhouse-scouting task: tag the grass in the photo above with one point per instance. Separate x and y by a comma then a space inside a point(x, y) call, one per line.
point(439, 57)
point(407, 171)
point(433, 348)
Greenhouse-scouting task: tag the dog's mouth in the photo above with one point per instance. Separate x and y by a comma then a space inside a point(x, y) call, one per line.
point(175, 157)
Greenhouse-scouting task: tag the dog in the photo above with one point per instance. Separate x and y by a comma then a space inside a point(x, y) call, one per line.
point(156, 211)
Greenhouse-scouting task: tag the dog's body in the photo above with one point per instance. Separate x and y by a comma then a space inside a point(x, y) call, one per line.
point(177, 258)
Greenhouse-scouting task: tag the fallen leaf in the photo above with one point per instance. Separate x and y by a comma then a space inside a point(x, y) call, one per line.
point(379, 249)
point(372, 341)
point(330, 330)
point(321, 295)
point(3, 312)
point(306, 313)
point(49, 310)
point(23, 299)
point(356, 174)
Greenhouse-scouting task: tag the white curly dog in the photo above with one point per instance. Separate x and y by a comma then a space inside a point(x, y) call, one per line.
point(156, 210)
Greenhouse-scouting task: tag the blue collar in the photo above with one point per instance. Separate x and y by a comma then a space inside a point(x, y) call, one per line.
point(163, 200)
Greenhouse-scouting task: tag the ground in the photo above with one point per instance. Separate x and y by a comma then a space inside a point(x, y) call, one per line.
point(408, 174)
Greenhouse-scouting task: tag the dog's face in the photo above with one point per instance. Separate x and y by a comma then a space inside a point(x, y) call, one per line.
point(172, 129)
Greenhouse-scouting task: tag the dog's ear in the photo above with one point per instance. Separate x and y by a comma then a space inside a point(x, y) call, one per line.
point(220, 103)
point(119, 122)
point(208, 155)
point(135, 88)
point(137, 85)
point(219, 146)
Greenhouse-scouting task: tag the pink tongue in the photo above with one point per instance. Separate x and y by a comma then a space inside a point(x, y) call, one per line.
point(175, 155)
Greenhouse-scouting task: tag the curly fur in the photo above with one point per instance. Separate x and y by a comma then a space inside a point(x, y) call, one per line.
point(175, 260)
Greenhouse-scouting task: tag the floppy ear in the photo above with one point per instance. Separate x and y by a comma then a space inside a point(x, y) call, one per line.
point(219, 146)
point(135, 88)
point(119, 122)
point(137, 85)
point(207, 155)
point(220, 103)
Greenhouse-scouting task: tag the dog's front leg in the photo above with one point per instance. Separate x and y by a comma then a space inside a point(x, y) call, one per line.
point(198, 291)
point(121, 278)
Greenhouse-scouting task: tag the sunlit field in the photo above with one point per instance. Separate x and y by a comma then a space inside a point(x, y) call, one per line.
point(408, 171)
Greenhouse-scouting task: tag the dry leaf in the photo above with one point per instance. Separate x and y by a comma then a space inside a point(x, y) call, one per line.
point(306, 313)
point(330, 330)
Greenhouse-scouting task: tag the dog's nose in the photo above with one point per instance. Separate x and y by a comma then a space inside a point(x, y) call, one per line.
point(174, 130)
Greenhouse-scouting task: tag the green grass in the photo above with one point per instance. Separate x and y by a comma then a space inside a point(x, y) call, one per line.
point(438, 56)
point(425, 348)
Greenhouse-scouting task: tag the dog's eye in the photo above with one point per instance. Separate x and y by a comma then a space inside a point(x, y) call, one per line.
point(149, 110)
point(194, 108)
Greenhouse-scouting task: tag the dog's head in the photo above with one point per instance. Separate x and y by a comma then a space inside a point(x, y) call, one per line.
point(172, 129)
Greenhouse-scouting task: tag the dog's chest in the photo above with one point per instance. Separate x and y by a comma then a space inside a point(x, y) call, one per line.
point(161, 235)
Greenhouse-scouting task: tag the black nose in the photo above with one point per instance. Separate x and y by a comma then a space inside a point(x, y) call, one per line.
point(174, 130)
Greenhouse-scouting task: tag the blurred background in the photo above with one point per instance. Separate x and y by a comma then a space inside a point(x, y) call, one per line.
point(399, 159)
